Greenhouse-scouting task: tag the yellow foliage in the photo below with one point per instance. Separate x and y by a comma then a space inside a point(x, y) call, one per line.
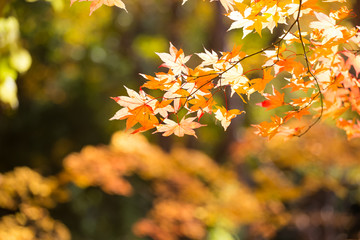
point(28, 194)
point(192, 192)
point(13, 60)
point(27, 186)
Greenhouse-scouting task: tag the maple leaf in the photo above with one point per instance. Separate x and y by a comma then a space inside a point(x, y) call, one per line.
point(290, 65)
point(225, 116)
point(175, 60)
point(154, 82)
point(142, 115)
point(209, 58)
point(138, 108)
point(135, 99)
point(258, 25)
point(185, 126)
point(273, 100)
point(273, 15)
point(121, 114)
point(269, 129)
point(98, 3)
point(164, 108)
point(201, 105)
point(328, 26)
point(259, 84)
point(200, 80)
point(162, 81)
point(178, 94)
point(241, 21)
point(235, 78)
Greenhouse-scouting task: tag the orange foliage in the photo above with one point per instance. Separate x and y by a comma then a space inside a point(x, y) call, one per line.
point(313, 58)
point(190, 197)
point(295, 170)
point(194, 196)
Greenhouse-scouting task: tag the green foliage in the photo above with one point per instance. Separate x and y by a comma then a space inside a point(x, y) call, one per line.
point(14, 60)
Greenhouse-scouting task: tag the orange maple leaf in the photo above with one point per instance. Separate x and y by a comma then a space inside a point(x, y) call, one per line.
point(290, 65)
point(201, 104)
point(202, 79)
point(259, 84)
point(273, 100)
point(269, 129)
point(143, 115)
point(154, 82)
point(138, 108)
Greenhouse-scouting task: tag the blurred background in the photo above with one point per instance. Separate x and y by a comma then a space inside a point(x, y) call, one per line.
point(69, 172)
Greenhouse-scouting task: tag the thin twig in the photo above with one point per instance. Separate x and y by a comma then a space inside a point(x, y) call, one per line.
point(312, 74)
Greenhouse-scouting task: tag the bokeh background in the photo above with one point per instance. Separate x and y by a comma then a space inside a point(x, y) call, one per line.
point(69, 172)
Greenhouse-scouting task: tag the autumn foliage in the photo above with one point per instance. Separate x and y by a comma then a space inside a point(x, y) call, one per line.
point(188, 198)
point(28, 196)
point(318, 63)
point(265, 186)
point(306, 188)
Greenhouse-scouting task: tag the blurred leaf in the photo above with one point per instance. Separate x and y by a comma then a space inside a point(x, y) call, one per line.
point(219, 233)
point(8, 91)
point(20, 59)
